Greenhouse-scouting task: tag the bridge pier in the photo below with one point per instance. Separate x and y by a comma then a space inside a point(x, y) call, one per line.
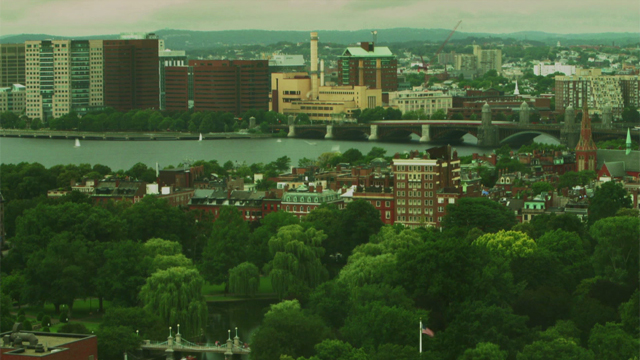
point(426, 136)
point(488, 136)
point(374, 133)
point(329, 134)
point(169, 354)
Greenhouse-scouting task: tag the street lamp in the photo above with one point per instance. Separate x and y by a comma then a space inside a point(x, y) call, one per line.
point(236, 331)
point(137, 333)
point(169, 331)
point(229, 334)
point(178, 329)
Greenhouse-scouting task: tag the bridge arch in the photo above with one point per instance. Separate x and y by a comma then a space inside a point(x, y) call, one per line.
point(450, 134)
point(527, 136)
point(310, 132)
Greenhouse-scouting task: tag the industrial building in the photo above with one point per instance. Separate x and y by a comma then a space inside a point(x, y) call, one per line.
point(302, 93)
point(12, 64)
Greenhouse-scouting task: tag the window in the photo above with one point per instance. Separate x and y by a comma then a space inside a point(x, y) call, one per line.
point(378, 203)
point(387, 215)
point(440, 200)
point(387, 203)
point(452, 201)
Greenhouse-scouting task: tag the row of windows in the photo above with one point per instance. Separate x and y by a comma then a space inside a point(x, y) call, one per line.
point(416, 201)
point(414, 168)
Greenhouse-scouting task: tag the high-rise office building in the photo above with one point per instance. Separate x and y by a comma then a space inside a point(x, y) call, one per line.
point(233, 86)
point(63, 76)
point(168, 58)
point(13, 98)
point(368, 65)
point(131, 74)
point(12, 64)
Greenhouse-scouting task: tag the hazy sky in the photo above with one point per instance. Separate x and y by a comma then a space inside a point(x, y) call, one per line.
point(94, 17)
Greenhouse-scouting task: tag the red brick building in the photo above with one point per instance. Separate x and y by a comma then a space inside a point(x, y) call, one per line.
point(382, 199)
point(176, 83)
point(233, 86)
point(131, 74)
point(369, 65)
point(58, 347)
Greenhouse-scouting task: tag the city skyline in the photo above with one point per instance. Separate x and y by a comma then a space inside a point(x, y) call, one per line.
point(60, 17)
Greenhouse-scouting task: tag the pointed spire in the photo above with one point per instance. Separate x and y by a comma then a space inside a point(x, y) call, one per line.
point(628, 141)
point(586, 138)
point(516, 91)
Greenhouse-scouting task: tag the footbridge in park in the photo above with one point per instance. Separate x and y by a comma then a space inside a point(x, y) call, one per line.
point(489, 133)
point(176, 348)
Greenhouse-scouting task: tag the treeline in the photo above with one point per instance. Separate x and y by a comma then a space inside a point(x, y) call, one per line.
point(555, 288)
point(148, 120)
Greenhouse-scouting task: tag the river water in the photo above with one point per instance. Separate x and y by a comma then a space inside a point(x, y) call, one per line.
point(124, 154)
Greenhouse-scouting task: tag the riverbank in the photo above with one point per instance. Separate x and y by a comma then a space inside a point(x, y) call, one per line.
point(120, 136)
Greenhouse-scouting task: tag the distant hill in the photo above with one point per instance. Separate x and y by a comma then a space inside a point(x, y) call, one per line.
point(187, 39)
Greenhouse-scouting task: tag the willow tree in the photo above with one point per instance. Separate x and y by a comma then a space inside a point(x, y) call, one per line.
point(175, 295)
point(244, 279)
point(296, 259)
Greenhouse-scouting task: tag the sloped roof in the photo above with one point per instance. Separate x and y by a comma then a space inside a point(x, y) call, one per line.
point(631, 161)
point(616, 168)
point(378, 51)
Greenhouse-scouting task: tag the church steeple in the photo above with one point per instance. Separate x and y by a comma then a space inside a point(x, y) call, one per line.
point(586, 149)
point(516, 91)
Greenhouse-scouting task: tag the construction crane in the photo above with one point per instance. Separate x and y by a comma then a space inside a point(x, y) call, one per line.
point(425, 67)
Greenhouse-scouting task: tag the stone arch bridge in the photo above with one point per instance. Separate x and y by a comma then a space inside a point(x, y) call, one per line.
point(490, 134)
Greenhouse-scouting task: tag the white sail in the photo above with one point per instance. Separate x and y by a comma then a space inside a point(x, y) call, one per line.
point(200, 139)
point(77, 143)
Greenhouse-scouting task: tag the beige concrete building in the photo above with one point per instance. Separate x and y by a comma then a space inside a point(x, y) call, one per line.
point(427, 101)
point(288, 87)
point(63, 75)
point(13, 98)
point(488, 59)
point(11, 64)
point(466, 62)
point(335, 103)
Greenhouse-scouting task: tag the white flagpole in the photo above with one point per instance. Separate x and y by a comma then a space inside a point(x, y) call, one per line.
point(421, 335)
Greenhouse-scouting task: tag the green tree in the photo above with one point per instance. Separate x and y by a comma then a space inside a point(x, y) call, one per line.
point(616, 251)
point(607, 200)
point(273, 338)
point(113, 341)
point(153, 217)
point(296, 264)
point(572, 179)
point(541, 186)
point(148, 325)
point(481, 213)
point(227, 246)
point(629, 315)
point(375, 323)
point(244, 279)
point(560, 349)
point(176, 296)
point(269, 225)
point(352, 156)
point(338, 350)
point(359, 221)
point(612, 342)
point(508, 244)
point(484, 351)
point(123, 273)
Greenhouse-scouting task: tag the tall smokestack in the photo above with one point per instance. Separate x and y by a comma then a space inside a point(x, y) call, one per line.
point(321, 72)
point(314, 65)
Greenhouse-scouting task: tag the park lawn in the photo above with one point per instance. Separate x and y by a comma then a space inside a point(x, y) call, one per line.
point(82, 309)
point(90, 325)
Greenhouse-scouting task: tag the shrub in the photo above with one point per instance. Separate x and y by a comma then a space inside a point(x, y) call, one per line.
point(63, 316)
point(45, 321)
point(73, 328)
point(26, 325)
point(40, 316)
